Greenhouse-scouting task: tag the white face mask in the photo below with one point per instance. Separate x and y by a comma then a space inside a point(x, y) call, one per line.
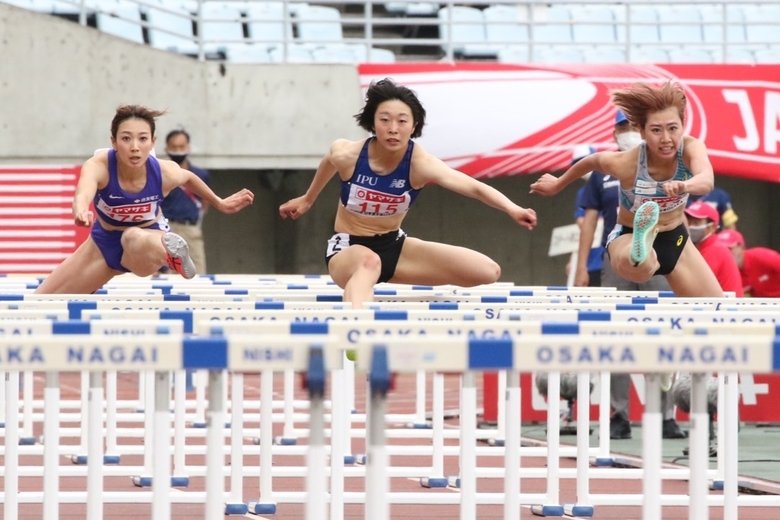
point(698, 233)
point(628, 140)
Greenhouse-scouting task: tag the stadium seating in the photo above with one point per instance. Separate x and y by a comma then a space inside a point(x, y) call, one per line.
point(518, 32)
point(124, 22)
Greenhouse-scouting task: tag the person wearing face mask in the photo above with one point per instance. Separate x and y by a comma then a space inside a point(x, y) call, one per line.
point(703, 222)
point(759, 266)
point(600, 198)
point(594, 261)
point(183, 208)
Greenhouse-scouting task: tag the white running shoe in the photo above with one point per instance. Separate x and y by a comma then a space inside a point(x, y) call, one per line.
point(178, 255)
point(645, 230)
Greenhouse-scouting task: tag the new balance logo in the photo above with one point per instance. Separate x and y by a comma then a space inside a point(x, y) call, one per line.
point(397, 183)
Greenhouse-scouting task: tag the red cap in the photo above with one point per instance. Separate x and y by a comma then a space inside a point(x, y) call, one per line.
point(731, 238)
point(701, 209)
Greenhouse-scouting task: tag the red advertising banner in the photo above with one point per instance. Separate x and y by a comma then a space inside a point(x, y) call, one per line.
point(493, 119)
point(37, 231)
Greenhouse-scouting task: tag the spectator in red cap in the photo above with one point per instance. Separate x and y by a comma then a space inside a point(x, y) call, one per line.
point(759, 266)
point(703, 222)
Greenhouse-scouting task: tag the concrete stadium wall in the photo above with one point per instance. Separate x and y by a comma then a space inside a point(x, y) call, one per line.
point(60, 84)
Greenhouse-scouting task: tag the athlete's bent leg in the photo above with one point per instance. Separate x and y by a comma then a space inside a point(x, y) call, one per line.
point(356, 269)
point(432, 263)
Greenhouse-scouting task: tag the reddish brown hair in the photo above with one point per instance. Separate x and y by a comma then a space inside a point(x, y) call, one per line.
point(640, 99)
point(125, 112)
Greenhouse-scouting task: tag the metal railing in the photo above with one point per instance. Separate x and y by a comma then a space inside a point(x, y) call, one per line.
point(374, 27)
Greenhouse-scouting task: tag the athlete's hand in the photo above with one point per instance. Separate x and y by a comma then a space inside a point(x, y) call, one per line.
point(672, 188)
point(546, 185)
point(294, 208)
point(236, 202)
point(526, 217)
point(581, 277)
point(84, 218)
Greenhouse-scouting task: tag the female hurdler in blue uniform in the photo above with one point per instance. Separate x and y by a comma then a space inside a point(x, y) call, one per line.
point(380, 179)
point(129, 233)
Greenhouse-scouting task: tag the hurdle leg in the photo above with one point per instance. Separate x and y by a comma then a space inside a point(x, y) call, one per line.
point(215, 443)
point(200, 377)
point(11, 458)
point(235, 505)
point(699, 448)
point(315, 455)
point(161, 481)
point(582, 507)
point(651, 448)
point(720, 470)
point(51, 444)
point(288, 433)
point(604, 458)
point(553, 507)
point(112, 450)
point(498, 440)
point(265, 505)
point(95, 448)
point(27, 437)
point(2, 400)
point(468, 444)
point(420, 420)
point(377, 481)
point(80, 457)
point(349, 403)
point(179, 478)
point(145, 479)
point(338, 424)
point(437, 478)
point(729, 446)
point(512, 447)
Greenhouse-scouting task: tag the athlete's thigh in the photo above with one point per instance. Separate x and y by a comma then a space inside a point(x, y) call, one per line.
point(342, 265)
point(433, 263)
point(692, 276)
point(83, 272)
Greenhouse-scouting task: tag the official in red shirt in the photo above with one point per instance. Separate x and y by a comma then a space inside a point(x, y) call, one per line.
point(703, 222)
point(760, 266)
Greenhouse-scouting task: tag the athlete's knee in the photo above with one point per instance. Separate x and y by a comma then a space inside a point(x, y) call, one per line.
point(487, 273)
point(130, 235)
point(370, 262)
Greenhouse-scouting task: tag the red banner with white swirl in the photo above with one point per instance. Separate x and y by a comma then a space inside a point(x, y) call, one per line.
point(493, 119)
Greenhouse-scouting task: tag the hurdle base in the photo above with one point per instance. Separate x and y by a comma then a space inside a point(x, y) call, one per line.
point(602, 462)
point(495, 442)
point(107, 459)
point(198, 424)
point(236, 509)
point(180, 482)
point(434, 482)
point(419, 426)
point(578, 510)
point(261, 508)
point(285, 441)
point(2, 425)
point(27, 441)
point(360, 459)
point(454, 482)
point(547, 510)
point(349, 460)
point(139, 481)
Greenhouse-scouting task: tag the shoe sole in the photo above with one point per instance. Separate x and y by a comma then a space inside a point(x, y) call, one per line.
point(176, 248)
point(645, 230)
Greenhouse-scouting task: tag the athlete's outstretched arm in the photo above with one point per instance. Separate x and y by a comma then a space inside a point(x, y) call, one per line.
point(174, 175)
point(703, 179)
point(91, 173)
point(430, 169)
point(325, 171)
